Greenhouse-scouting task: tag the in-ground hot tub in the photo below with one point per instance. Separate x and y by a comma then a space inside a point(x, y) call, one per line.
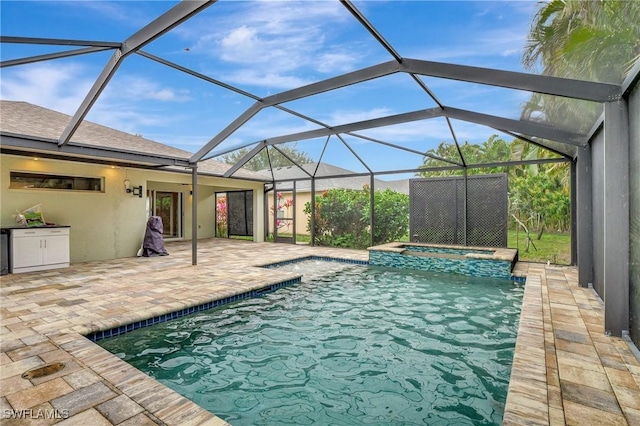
point(470, 261)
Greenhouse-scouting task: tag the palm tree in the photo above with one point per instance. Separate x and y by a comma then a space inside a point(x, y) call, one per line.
point(596, 40)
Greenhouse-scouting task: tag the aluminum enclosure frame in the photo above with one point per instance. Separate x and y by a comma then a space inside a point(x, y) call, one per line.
point(569, 145)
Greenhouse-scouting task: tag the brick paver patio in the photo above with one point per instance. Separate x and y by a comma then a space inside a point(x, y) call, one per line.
point(565, 371)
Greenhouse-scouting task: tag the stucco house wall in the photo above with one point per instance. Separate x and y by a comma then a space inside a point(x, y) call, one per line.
point(111, 224)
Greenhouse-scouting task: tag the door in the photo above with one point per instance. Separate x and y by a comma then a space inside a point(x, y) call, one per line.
point(168, 205)
point(56, 249)
point(26, 252)
point(283, 209)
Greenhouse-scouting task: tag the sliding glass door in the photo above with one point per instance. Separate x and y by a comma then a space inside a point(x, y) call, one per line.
point(168, 205)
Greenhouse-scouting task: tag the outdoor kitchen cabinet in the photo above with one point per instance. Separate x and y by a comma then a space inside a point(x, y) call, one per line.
point(37, 249)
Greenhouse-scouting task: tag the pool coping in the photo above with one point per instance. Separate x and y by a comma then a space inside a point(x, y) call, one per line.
point(499, 253)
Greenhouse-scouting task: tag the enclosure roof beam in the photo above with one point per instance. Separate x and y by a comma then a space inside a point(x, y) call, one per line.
point(367, 174)
point(196, 74)
point(304, 91)
point(348, 79)
point(229, 87)
point(360, 125)
point(542, 145)
point(372, 30)
point(245, 158)
point(295, 163)
point(424, 87)
point(455, 140)
point(315, 172)
point(498, 123)
point(95, 91)
point(59, 42)
point(354, 153)
point(227, 151)
point(577, 89)
point(518, 163)
point(50, 56)
point(224, 133)
point(164, 23)
point(632, 77)
point(400, 147)
point(519, 126)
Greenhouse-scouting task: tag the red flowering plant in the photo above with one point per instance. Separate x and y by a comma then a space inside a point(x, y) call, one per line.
point(282, 210)
point(221, 217)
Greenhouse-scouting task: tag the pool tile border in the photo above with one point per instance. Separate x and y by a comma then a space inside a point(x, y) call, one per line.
point(314, 257)
point(158, 319)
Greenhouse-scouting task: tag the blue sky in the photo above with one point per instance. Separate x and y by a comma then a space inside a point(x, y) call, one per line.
point(266, 47)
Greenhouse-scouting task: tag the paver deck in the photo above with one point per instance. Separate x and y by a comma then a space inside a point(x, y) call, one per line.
point(565, 371)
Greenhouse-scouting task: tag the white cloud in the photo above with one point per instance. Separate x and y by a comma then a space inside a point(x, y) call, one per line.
point(139, 88)
point(261, 78)
point(63, 88)
point(352, 116)
point(276, 44)
point(129, 13)
point(502, 42)
point(415, 131)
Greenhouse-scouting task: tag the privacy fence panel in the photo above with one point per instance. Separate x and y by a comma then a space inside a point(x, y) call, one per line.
point(240, 211)
point(441, 214)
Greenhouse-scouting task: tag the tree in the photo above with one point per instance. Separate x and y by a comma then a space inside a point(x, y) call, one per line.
point(494, 149)
point(590, 40)
point(264, 161)
point(539, 194)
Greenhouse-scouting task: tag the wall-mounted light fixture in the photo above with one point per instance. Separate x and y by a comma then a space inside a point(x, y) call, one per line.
point(134, 190)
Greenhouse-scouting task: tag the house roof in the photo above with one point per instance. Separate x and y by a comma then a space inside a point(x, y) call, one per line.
point(46, 125)
point(355, 181)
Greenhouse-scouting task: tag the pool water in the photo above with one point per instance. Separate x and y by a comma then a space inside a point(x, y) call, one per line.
point(359, 346)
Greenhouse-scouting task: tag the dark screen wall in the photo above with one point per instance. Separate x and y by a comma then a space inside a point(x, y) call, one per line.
point(597, 182)
point(598, 187)
point(634, 214)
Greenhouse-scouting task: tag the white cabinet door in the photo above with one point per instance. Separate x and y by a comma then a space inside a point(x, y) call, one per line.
point(55, 249)
point(26, 252)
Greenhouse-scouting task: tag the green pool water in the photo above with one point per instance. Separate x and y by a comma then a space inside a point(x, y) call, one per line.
point(359, 346)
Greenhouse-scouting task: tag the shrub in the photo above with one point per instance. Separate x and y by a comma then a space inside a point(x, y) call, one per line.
point(342, 217)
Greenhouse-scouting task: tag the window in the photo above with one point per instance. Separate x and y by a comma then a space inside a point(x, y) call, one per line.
point(25, 180)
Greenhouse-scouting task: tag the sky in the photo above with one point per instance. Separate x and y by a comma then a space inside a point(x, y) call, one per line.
point(266, 47)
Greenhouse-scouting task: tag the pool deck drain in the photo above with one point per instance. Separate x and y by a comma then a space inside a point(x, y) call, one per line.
point(565, 371)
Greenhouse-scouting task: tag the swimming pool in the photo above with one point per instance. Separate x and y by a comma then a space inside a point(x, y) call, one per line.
point(361, 345)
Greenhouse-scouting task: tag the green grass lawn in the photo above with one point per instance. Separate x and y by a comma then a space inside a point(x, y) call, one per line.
point(555, 248)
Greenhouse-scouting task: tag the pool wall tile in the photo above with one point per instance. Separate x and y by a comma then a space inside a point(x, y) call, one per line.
point(488, 268)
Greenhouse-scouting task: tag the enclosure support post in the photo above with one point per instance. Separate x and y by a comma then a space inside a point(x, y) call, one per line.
point(265, 212)
point(313, 212)
point(464, 207)
point(583, 206)
point(372, 218)
point(572, 214)
point(616, 217)
point(194, 214)
point(275, 212)
point(295, 207)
